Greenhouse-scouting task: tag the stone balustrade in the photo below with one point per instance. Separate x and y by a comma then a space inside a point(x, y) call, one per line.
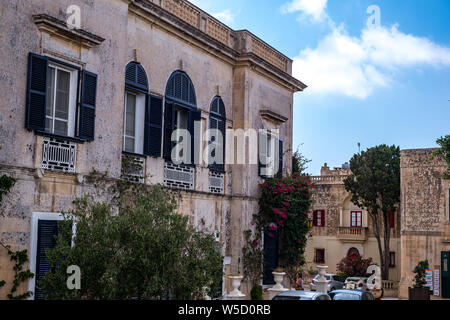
point(242, 41)
point(328, 179)
point(389, 285)
point(352, 234)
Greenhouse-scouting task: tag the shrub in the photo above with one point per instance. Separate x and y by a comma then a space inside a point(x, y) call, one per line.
point(147, 252)
point(420, 271)
point(353, 265)
point(257, 292)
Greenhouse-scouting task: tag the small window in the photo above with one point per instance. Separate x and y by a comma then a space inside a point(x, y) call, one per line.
point(392, 259)
point(134, 122)
point(356, 219)
point(319, 218)
point(61, 100)
point(319, 256)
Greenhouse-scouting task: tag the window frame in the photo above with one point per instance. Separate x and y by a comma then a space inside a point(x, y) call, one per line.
point(220, 118)
point(392, 259)
point(316, 218)
point(272, 145)
point(139, 122)
point(73, 97)
point(35, 217)
point(355, 224)
point(316, 255)
point(79, 70)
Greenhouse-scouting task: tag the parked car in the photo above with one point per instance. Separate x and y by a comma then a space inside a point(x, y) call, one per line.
point(334, 282)
point(301, 295)
point(356, 283)
point(345, 294)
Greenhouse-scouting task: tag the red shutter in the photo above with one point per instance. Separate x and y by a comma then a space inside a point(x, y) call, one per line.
point(391, 217)
point(315, 218)
point(323, 218)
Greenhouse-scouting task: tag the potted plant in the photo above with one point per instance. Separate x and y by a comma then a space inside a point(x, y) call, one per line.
point(420, 291)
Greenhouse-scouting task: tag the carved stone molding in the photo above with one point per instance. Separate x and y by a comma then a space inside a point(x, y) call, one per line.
point(52, 25)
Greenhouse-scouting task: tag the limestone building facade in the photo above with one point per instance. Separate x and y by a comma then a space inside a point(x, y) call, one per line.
point(339, 226)
point(76, 100)
point(425, 217)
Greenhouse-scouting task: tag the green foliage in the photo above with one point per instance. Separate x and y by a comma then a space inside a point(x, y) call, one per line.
point(299, 162)
point(253, 256)
point(444, 151)
point(148, 251)
point(375, 179)
point(6, 184)
point(257, 293)
point(353, 265)
point(20, 258)
point(342, 276)
point(375, 185)
point(420, 279)
point(283, 207)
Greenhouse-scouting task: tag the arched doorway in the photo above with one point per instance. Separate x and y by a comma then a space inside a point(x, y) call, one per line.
point(352, 251)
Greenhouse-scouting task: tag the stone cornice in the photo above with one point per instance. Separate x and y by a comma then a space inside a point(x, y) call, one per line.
point(238, 55)
point(273, 116)
point(52, 25)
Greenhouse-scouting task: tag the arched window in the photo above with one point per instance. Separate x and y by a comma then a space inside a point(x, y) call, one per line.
point(181, 113)
point(143, 114)
point(136, 78)
point(217, 125)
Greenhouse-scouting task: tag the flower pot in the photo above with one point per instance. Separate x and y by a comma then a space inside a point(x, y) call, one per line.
point(278, 277)
point(419, 293)
point(236, 284)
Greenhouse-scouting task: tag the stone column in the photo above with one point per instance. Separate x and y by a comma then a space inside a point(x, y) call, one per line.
point(321, 282)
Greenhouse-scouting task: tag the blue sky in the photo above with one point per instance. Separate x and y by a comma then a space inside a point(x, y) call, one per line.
point(385, 84)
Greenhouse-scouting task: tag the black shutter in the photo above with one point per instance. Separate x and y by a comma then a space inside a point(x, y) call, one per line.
point(47, 232)
point(136, 77)
point(36, 92)
point(194, 120)
point(213, 124)
point(168, 129)
point(153, 126)
point(262, 152)
point(87, 106)
point(222, 130)
point(280, 159)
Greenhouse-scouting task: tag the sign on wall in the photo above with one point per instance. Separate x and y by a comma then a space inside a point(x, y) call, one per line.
point(437, 280)
point(429, 279)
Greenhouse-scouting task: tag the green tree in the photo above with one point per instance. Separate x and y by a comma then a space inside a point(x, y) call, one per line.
point(375, 185)
point(148, 251)
point(444, 151)
point(299, 162)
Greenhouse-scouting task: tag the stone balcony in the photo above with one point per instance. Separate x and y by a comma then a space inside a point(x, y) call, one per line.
point(352, 234)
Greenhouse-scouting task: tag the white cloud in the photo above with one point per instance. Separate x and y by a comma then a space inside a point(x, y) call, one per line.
point(355, 66)
point(315, 9)
point(225, 16)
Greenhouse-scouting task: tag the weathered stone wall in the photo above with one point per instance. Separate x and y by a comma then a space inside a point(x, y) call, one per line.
point(141, 31)
point(425, 212)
